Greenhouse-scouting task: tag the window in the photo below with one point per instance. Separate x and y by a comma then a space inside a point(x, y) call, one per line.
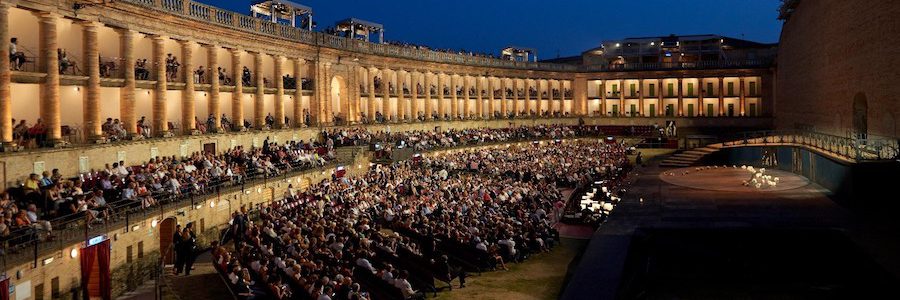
point(670, 110)
point(731, 89)
point(752, 91)
point(752, 109)
point(652, 110)
point(671, 89)
point(731, 109)
point(633, 110)
point(709, 89)
point(632, 89)
point(615, 110)
point(652, 90)
point(140, 253)
point(690, 112)
point(709, 110)
point(690, 89)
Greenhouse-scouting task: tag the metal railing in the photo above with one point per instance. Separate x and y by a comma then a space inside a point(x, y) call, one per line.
point(72, 228)
point(854, 149)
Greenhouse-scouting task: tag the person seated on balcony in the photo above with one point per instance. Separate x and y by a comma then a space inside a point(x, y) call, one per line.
point(270, 120)
point(106, 67)
point(247, 124)
point(246, 77)
point(38, 133)
point(200, 126)
point(143, 126)
point(223, 79)
point(65, 62)
point(20, 131)
point(172, 65)
point(16, 57)
point(199, 75)
point(224, 123)
point(140, 70)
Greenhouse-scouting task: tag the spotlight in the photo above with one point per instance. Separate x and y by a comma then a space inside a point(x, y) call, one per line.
point(73, 253)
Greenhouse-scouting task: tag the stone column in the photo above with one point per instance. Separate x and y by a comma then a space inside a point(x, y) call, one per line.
point(160, 122)
point(298, 93)
point(700, 97)
point(188, 110)
point(540, 103)
point(491, 100)
point(212, 62)
point(279, 91)
point(92, 123)
point(6, 125)
point(49, 64)
point(414, 100)
point(641, 97)
point(427, 89)
point(259, 116)
point(659, 100)
point(400, 106)
point(440, 91)
point(126, 95)
point(603, 98)
point(386, 94)
point(721, 90)
point(743, 100)
point(621, 97)
point(467, 107)
point(515, 103)
point(326, 106)
point(680, 99)
point(454, 105)
point(527, 87)
point(370, 104)
point(479, 99)
point(237, 109)
point(504, 110)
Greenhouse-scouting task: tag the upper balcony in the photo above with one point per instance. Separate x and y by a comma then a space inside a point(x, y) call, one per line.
point(212, 14)
point(716, 64)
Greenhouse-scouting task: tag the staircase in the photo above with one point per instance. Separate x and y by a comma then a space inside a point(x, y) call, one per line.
point(689, 157)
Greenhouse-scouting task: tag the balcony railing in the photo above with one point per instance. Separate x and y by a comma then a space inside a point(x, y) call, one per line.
point(214, 15)
point(854, 149)
point(716, 64)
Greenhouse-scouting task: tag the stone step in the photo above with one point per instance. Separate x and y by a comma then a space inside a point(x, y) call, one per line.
point(680, 159)
point(678, 165)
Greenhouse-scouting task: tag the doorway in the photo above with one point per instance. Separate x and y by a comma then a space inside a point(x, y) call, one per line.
point(96, 282)
point(166, 237)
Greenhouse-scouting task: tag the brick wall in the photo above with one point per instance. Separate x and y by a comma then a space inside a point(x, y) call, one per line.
point(832, 50)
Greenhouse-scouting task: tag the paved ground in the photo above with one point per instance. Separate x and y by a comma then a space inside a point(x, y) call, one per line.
point(670, 206)
point(203, 283)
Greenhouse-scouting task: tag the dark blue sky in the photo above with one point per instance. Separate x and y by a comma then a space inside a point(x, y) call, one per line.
point(566, 27)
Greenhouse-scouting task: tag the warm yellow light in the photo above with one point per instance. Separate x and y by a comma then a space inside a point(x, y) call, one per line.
point(154, 223)
point(73, 253)
point(212, 203)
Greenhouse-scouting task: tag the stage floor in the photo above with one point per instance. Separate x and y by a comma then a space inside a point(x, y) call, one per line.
point(729, 179)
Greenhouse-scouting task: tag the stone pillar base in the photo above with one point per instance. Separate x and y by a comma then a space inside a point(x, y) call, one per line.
point(166, 134)
point(56, 143)
point(9, 147)
point(195, 132)
point(98, 140)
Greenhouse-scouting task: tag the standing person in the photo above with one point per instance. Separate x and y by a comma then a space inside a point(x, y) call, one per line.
point(177, 239)
point(187, 249)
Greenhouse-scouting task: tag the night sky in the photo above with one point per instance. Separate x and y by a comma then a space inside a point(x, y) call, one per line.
point(554, 28)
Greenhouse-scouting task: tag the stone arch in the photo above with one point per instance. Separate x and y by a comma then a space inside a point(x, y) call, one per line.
point(860, 116)
point(340, 99)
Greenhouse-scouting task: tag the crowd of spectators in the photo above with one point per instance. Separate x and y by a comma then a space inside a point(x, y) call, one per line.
point(98, 195)
point(393, 230)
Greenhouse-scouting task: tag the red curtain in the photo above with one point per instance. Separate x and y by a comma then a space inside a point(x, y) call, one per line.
point(4, 289)
point(105, 278)
point(88, 255)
